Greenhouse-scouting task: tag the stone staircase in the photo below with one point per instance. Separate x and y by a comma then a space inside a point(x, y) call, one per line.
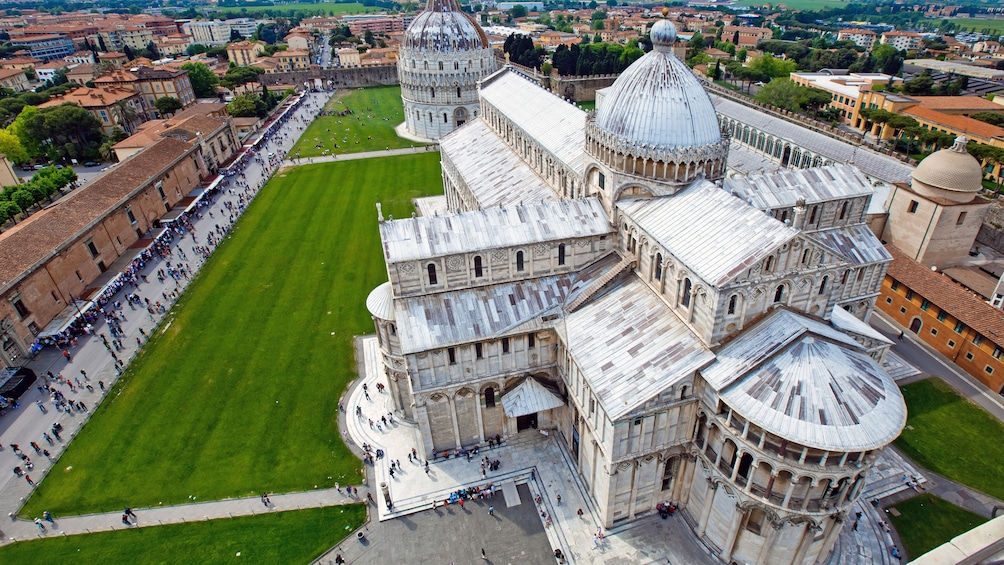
point(599, 283)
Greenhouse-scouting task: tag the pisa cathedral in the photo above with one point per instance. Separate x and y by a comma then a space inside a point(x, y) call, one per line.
point(687, 336)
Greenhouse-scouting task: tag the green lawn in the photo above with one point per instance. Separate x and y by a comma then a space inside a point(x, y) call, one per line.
point(320, 8)
point(996, 27)
point(951, 436)
point(238, 393)
point(280, 537)
point(927, 521)
point(797, 4)
point(377, 111)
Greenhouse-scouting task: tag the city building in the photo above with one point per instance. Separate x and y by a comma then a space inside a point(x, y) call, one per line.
point(114, 106)
point(743, 36)
point(81, 58)
point(56, 257)
point(152, 83)
point(689, 337)
point(903, 40)
point(216, 33)
point(375, 24)
point(947, 317)
point(935, 218)
point(45, 47)
point(7, 175)
point(21, 63)
point(80, 74)
point(291, 60)
point(861, 37)
point(47, 71)
point(959, 68)
point(845, 90)
point(244, 53)
point(443, 56)
point(203, 123)
point(114, 57)
point(14, 79)
point(348, 57)
point(298, 41)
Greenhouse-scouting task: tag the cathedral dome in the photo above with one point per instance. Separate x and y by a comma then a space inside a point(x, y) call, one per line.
point(658, 101)
point(380, 302)
point(952, 174)
point(443, 26)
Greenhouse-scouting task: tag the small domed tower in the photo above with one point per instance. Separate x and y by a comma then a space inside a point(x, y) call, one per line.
point(655, 127)
point(444, 55)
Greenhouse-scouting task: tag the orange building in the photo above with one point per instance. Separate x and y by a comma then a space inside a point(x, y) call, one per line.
point(956, 323)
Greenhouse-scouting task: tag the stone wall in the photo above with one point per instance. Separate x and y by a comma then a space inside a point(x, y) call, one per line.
point(340, 77)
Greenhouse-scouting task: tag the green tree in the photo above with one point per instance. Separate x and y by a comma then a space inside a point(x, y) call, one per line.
point(238, 76)
point(11, 146)
point(695, 45)
point(921, 85)
point(20, 129)
point(24, 200)
point(243, 106)
point(783, 93)
point(8, 211)
point(125, 114)
point(772, 67)
point(988, 117)
point(167, 105)
point(196, 48)
point(66, 130)
point(203, 80)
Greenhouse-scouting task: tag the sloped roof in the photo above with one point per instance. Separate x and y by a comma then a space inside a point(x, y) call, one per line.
point(730, 236)
point(529, 397)
point(963, 124)
point(783, 189)
point(857, 243)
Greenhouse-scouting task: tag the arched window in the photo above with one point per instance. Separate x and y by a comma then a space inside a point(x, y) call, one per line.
point(440, 65)
point(784, 217)
point(843, 210)
point(805, 256)
point(433, 90)
point(430, 116)
point(458, 92)
point(456, 65)
point(779, 293)
point(432, 273)
point(478, 268)
point(768, 264)
point(426, 65)
point(445, 119)
point(489, 397)
point(685, 295)
point(561, 253)
point(822, 285)
point(519, 260)
point(812, 214)
point(732, 303)
point(658, 266)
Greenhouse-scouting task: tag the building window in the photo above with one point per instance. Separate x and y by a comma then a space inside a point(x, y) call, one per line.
point(934, 331)
point(843, 210)
point(951, 344)
point(969, 356)
point(452, 352)
point(978, 339)
point(561, 253)
point(531, 340)
point(685, 295)
point(888, 300)
point(603, 181)
point(998, 352)
point(962, 219)
point(91, 248)
point(989, 370)
point(519, 260)
point(160, 190)
point(909, 295)
point(925, 304)
point(478, 351)
point(20, 308)
point(778, 293)
point(658, 266)
point(912, 209)
point(822, 285)
point(505, 345)
point(959, 326)
point(805, 256)
point(458, 92)
point(942, 315)
point(902, 310)
point(489, 397)
point(812, 214)
point(768, 264)
point(732, 304)
point(432, 273)
point(478, 268)
point(130, 215)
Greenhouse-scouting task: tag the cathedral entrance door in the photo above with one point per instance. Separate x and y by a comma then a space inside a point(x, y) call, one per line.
point(527, 422)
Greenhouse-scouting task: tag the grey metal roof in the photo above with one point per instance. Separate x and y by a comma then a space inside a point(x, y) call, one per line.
point(558, 126)
point(875, 165)
point(745, 161)
point(630, 346)
point(822, 395)
point(380, 302)
point(782, 189)
point(857, 243)
point(713, 233)
point(495, 175)
point(529, 397)
point(444, 26)
point(436, 236)
point(434, 321)
point(846, 322)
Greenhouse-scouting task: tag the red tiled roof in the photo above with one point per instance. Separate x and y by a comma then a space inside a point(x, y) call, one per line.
point(948, 296)
point(961, 123)
point(35, 240)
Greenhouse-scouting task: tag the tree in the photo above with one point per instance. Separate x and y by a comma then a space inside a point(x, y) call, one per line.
point(783, 93)
point(66, 130)
point(695, 45)
point(990, 118)
point(243, 106)
point(125, 114)
point(167, 105)
point(772, 67)
point(238, 76)
point(921, 85)
point(203, 80)
point(151, 49)
point(20, 129)
point(8, 211)
point(517, 11)
point(128, 52)
point(11, 146)
point(196, 48)
point(24, 200)
point(235, 35)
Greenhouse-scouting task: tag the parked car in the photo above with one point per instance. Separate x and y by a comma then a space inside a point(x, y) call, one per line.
point(27, 168)
point(91, 164)
point(38, 167)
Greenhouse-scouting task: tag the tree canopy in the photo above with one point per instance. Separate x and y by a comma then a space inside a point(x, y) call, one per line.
point(203, 80)
point(167, 105)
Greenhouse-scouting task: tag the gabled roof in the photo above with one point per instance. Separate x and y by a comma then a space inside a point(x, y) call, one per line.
point(530, 397)
point(729, 237)
point(436, 236)
point(630, 346)
point(558, 126)
point(856, 243)
point(783, 189)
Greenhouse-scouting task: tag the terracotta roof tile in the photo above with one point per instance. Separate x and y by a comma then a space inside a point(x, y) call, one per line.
point(948, 296)
point(963, 124)
point(34, 240)
point(958, 103)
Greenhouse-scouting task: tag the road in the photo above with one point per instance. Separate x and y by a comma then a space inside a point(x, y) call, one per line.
point(933, 363)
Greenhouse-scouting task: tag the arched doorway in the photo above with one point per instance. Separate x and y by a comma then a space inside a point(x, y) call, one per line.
point(785, 156)
point(915, 325)
point(460, 116)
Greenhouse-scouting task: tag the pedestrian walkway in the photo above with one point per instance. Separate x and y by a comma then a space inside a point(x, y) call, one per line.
point(354, 156)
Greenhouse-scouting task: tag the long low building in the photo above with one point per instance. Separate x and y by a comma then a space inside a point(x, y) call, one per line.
point(53, 259)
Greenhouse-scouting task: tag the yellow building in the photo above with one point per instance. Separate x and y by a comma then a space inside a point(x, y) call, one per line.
point(244, 53)
point(292, 60)
point(845, 90)
point(13, 79)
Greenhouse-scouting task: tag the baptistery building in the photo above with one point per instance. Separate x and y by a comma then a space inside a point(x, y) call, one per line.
point(443, 56)
point(688, 337)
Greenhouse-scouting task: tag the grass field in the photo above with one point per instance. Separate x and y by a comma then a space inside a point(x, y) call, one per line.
point(371, 127)
point(926, 521)
point(949, 435)
point(797, 4)
point(968, 24)
point(323, 8)
point(239, 392)
point(281, 537)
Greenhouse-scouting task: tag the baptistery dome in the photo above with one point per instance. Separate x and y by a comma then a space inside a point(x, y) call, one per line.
point(952, 174)
point(443, 26)
point(658, 100)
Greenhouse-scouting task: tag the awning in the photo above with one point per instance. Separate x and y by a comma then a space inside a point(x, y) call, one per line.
point(529, 397)
point(64, 319)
